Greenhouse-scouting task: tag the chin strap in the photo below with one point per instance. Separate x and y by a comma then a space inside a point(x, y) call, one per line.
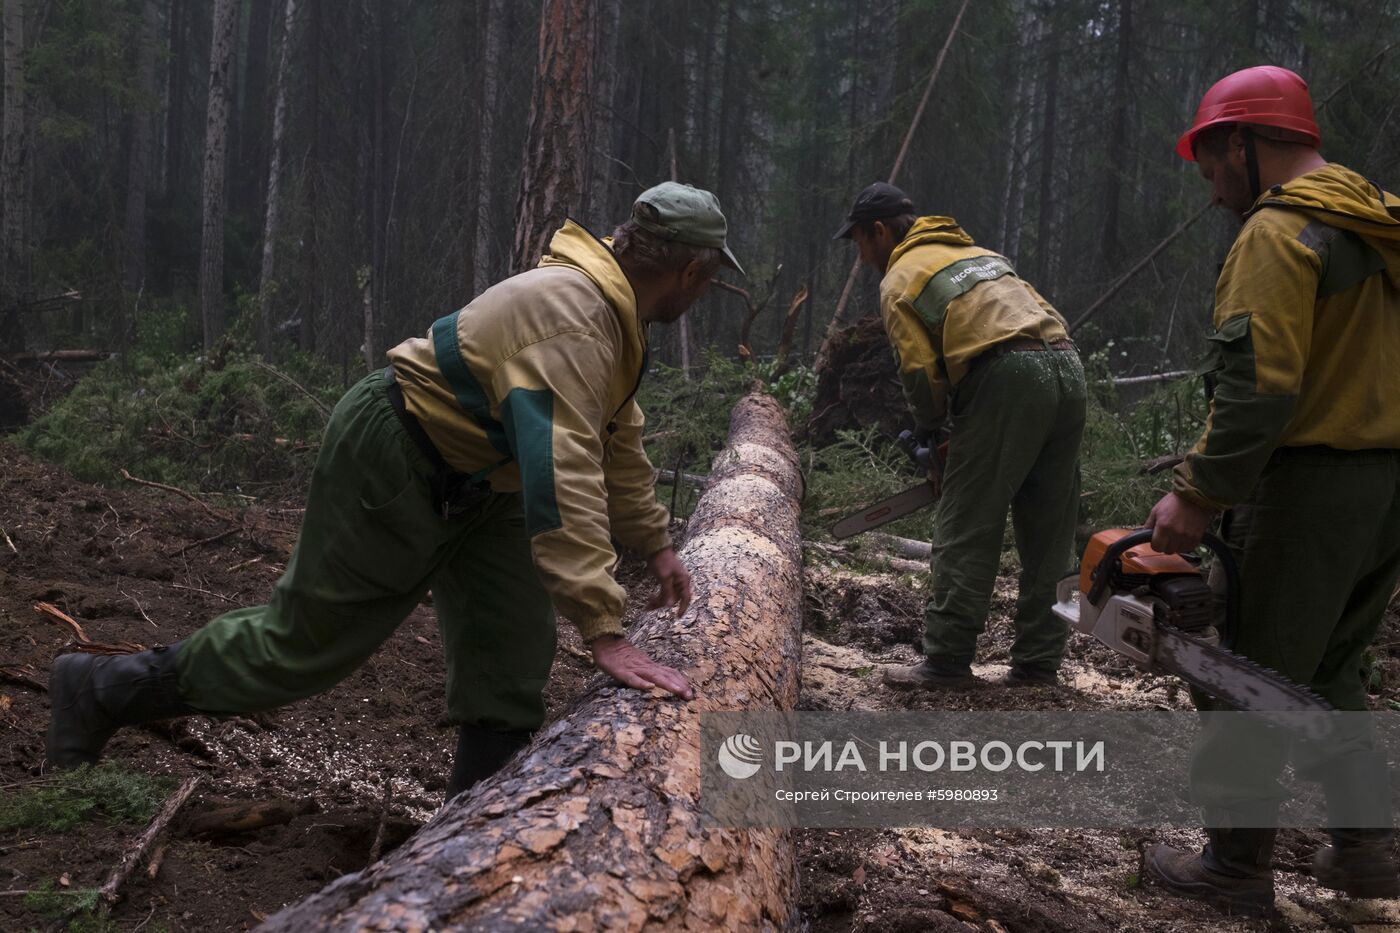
point(1251, 163)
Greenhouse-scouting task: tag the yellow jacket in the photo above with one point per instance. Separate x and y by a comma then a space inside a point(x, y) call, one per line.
point(945, 301)
point(536, 378)
point(1307, 333)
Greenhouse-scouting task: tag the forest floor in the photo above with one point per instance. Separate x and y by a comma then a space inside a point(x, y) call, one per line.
point(144, 566)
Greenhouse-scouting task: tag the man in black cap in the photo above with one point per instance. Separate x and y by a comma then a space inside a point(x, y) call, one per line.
point(978, 348)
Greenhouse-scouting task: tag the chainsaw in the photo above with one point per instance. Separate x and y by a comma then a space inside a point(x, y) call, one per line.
point(901, 503)
point(1159, 611)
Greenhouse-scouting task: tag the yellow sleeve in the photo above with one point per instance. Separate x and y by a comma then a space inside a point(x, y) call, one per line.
point(639, 522)
point(916, 357)
point(552, 408)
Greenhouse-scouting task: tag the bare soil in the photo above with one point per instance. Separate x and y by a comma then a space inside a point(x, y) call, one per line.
point(142, 565)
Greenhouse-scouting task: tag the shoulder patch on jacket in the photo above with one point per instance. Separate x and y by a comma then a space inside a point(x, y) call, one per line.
point(1347, 259)
point(955, 280)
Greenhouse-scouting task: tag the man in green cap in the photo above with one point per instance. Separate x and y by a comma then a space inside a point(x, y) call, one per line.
point(493, 462)
point(977, 347)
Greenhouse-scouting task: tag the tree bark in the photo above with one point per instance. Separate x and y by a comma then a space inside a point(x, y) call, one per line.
point(596, 826)
point(557, 143)
point(1045, 219)
point(483, 257)
point(211, 252)
point(271, 220)
point(1117, 136)
point(14, 165)
point(139, 157)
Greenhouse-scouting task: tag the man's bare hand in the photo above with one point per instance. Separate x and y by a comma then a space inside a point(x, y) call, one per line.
point(668, 570)
point(1178, 524)
point(630, 665)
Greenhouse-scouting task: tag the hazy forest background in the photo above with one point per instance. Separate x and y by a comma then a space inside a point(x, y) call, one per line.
point(307, 182)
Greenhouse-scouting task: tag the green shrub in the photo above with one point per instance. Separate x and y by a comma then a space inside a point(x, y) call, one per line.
point(105, 791)
point(218, 425)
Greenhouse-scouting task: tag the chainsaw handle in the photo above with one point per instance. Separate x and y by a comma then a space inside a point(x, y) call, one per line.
point(1111, 557)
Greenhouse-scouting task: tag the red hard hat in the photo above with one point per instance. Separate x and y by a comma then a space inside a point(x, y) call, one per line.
point(1265, 95)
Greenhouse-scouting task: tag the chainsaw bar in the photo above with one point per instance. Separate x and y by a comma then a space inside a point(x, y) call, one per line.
point(885, 511)
point(1240, 682)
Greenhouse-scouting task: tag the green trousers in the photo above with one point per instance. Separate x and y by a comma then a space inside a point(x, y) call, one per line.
point(1318, 547)
point(370, 548)
point(1017, 423)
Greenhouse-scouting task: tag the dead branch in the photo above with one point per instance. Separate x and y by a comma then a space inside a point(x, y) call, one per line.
point(272, 370)
point(175, 489)
point(80, 640)
point(10, 544)
point(780, 361)
point(246, 817)
point(903, 547)
point(24, 675)
point(212, 539)
point(110, 890)
point(63, 356)
point(899, 162)
point(378, 845)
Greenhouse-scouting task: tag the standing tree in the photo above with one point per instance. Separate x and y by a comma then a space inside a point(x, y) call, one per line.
point(272, 216)
point(211, 251)
point(13, 165)
point(555, 170)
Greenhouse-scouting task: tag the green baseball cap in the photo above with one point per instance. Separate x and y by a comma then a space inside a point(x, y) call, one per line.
point(684, 214)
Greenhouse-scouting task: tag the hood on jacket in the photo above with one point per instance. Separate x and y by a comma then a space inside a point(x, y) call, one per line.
point(574, 247)
point(931, 229)
point(1339, 197)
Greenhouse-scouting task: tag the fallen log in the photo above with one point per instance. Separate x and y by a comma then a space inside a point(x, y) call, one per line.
point(596, 825)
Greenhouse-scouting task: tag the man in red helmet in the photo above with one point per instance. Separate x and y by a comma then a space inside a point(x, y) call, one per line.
point(1302, 448)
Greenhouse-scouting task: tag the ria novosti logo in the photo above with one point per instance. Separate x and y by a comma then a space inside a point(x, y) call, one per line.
point(740, 756)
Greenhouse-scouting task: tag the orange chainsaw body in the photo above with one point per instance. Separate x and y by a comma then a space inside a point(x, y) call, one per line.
point(1141, 559)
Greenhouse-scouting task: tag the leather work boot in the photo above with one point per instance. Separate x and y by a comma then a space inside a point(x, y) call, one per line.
point(92, 696)
point(480, 754)
point(1358, 868)
point(1188, 875)
point(928, 675)
point(1020, 676)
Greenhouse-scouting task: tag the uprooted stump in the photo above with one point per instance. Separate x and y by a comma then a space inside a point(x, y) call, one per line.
point(858, 387)
point(596, 825)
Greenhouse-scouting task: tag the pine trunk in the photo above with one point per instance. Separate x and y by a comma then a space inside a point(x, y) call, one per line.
point(14, 185)
point(139, 158)
point(272, 218)
point(597, 826)
point(211, 252)
point(559, 137)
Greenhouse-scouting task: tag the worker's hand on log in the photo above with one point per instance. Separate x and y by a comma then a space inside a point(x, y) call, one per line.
point(630, 665)
point(1178, 524)
point(668, 570)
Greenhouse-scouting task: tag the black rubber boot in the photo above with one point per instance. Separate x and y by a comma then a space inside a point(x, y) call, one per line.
point(92, 696)
point(1232, 871)
point(480, 754)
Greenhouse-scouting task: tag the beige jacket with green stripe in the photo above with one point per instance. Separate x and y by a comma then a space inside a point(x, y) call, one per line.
point(945, 301)
point(1306, 349)
point(537, 378)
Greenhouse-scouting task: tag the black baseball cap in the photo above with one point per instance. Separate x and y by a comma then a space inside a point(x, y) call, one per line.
point(876, 202)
